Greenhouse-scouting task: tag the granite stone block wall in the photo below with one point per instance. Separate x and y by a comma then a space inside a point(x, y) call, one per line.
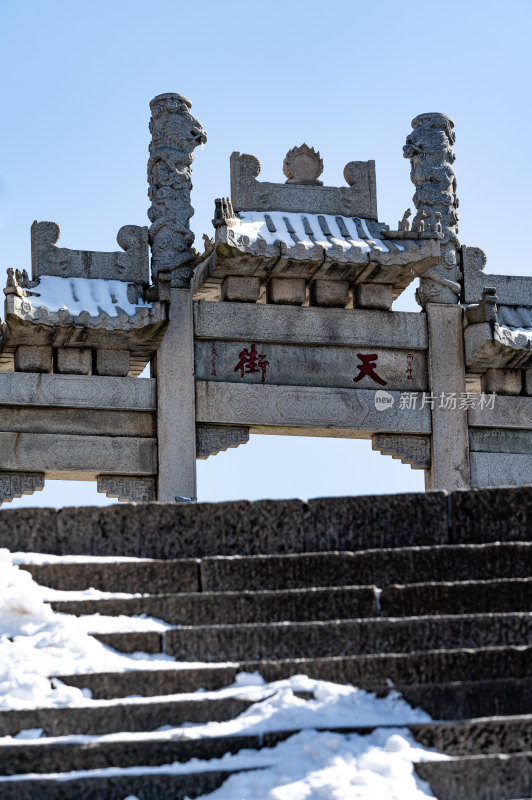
point(160, 530)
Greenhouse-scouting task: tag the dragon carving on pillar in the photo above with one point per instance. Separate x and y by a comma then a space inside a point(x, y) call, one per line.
point(429, 148)
point(175, 135)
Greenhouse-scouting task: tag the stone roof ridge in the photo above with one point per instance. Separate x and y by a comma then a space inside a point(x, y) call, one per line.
point(303, 192)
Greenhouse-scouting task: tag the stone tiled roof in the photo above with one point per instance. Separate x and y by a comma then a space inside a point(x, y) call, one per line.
point(515, 316)
point(278, 243)
point(52, 310)
point(311, 230)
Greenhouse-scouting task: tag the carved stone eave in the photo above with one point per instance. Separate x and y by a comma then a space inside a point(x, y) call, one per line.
point(140, 333)
point(128, 489)
point(237, 254)
point(211, 439)
point(489, 345)
point(413, 450)
point(15, 484)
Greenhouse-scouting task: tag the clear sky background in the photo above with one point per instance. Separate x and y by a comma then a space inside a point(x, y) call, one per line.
point(345, 77)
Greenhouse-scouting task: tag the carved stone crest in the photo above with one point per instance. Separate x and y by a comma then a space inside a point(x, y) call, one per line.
point(303, 165)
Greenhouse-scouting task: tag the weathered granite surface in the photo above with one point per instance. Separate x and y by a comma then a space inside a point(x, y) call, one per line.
point(147, 576)
point(501, 469)
point(491, 515)
point(130, 265)
point(360, 327)
point(488, 777)
point(156, 530)
point(206, 608)
point(149, 787)
point(355, 523)
point(347, 637)
point(381, 567)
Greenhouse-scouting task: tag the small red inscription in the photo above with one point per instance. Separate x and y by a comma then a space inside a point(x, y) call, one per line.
point(367, 367)
point(214, 354)
point(409, 367)
point(251, 361)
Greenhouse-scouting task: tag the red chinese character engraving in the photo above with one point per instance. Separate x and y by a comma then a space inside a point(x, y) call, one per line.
point(410, 366)
point(214, 353)
point(368, 368)
point(251, 361)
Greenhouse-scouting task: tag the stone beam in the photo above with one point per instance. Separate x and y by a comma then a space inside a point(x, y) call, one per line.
point(78, 421)
point(77, 391)
point(500, 469)
point(68, 457)
point(306, 407)
point(507, 412)
point(495, 440)
point(333, 326)
point(312, 365)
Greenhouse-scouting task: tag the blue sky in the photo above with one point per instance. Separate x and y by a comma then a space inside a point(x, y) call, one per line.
point(346, 77)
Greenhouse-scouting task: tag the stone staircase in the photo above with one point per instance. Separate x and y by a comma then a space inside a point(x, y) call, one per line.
point(430, 592)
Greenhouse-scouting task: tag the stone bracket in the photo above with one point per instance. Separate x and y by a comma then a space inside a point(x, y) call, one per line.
point(128, 489)
point(413, 450)
point(15, 484)
point(211, 439)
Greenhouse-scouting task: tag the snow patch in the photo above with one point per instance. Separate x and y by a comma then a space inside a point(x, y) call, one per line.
point(36, 643)
point(76, 295)
point(311, 764)
point(253, 225)
point(47, 558)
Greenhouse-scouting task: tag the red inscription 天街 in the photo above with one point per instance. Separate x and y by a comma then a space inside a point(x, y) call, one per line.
point(367, 368)
point(251, 361)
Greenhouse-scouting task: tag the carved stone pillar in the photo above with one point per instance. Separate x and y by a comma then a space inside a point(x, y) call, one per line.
point(429, 148)
point(175, 134)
